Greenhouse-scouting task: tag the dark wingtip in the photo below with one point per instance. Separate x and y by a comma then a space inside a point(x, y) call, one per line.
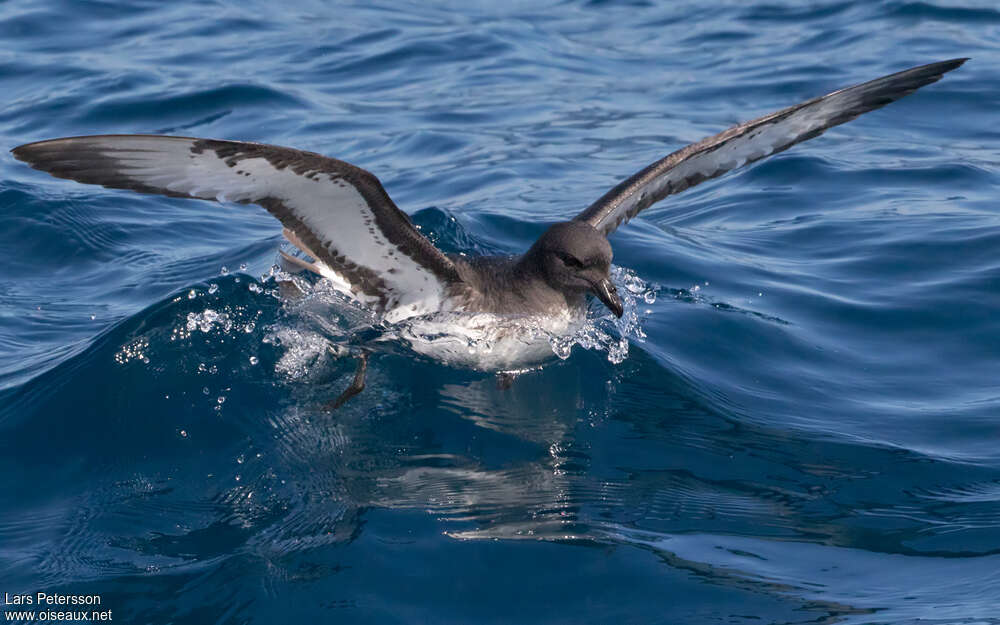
point(35, 156)
point(19, 152)
point(920, 75)
point(950, 64)
point(27, 153)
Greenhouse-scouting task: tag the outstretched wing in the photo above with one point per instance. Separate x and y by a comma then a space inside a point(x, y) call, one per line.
point(338, 212)
point(752, 141)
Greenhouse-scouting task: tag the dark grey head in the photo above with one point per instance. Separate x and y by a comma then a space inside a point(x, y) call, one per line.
point(575, 258)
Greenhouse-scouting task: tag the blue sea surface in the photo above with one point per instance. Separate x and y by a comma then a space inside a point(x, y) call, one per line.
point(802, 424)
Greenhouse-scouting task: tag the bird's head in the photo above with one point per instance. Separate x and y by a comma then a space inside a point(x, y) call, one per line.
point(575, 258)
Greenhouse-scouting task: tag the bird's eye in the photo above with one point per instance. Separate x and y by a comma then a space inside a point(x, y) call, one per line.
point(570, 261)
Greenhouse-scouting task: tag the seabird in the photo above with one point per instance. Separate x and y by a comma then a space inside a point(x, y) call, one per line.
point(342, 217)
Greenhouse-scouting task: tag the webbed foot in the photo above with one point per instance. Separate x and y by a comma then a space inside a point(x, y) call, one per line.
point(357, 384)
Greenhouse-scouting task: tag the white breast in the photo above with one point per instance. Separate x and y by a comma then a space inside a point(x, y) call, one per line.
point(486, 341)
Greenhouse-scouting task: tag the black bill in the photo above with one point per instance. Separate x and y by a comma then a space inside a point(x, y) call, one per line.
point(606, 292)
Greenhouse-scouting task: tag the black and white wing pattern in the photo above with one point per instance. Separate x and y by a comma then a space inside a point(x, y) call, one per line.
point(752, 141)
point(339, 213)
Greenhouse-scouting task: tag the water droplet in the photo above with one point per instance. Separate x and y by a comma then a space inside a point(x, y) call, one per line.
point(192, 294)
point(207, 319)
point(92, 317)
point(183, 433)
point(240, 459)
point(243, 266)
point(212, 288)
point(254, 360)
point(649, 297)
point(205, 391)
point(224, 270)
point(221, 399)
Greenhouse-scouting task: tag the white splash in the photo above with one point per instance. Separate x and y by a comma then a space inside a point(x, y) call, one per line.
point(303, 351)
point(481, 341)
point(605, 332)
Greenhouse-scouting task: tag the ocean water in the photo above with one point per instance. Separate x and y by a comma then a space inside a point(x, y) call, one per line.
point(800, 423)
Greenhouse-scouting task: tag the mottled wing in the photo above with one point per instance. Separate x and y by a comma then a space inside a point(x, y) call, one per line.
point(752, 141)
point(338, 212)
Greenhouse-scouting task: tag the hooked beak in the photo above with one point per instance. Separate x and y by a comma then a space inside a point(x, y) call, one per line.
point(608, 294)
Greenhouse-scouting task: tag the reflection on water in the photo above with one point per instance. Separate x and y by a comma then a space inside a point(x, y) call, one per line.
point(251, 464)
